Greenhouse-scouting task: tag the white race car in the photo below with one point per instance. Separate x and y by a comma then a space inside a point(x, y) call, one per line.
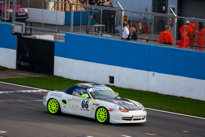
point(95, 101)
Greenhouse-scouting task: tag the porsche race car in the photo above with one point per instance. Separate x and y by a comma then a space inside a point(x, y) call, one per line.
point(95, 101)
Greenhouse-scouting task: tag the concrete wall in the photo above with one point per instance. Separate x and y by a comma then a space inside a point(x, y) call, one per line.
point(7, 46)
point(138, 66)
point(46, 16)
point(63, 18)
point(177, 72)
point(76, 20)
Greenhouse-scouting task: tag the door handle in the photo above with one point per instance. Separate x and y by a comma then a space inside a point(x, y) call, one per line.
point(69, 99)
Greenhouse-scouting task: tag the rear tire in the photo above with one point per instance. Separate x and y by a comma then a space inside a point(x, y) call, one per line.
point(102, 115)
point(53, 107)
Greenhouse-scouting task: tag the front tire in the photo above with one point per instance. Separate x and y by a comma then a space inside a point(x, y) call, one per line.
point(102, 115)
point(53, 107)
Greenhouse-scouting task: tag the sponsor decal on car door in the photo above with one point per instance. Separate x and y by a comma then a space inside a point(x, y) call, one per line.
point(81, 105)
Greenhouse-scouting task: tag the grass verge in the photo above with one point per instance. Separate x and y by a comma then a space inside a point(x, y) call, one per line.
point(148, 99)
point(2, 68)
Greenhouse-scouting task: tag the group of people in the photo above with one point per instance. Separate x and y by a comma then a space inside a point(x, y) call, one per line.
point(129, 32)
point(108, 18)
point(188, 33)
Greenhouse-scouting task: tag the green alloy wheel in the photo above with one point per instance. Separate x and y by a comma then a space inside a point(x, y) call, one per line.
point(102, 115)
point(53, 106)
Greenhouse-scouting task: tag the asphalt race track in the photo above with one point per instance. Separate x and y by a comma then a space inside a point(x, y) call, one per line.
point(22, 114)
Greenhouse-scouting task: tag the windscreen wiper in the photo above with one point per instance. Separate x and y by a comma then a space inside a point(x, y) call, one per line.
point(107, 98)
point(117, 97)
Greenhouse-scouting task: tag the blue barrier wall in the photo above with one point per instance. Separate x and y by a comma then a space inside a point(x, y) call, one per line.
point(138, 56)
point(7, 39)
point(104, 51)
point(8, 46)
point(76, 20)
point(177, 62)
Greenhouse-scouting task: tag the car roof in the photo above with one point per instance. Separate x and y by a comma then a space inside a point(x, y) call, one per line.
point(90, 85)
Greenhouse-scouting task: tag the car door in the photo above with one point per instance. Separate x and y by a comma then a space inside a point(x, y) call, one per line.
point(79, 105)
point(66, 101)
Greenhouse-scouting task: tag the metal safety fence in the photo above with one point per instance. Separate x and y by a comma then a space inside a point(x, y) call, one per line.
point(49, 21)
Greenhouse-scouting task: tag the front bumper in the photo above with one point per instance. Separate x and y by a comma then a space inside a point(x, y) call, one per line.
point(138, 116)
point(24, 16)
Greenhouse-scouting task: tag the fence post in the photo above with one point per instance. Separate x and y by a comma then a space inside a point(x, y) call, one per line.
point(174, 26)
point(121, 20)
point(13, 14)
point(72, 16)
point(13, 28)
point(87, 4)
point(152, 26)
point(77, 6)
point(56, 36)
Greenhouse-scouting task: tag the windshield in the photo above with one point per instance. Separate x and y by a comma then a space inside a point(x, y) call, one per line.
point(103, 94)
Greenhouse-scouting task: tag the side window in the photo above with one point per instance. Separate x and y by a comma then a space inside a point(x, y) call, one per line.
point(79, 92)
point(71, 89)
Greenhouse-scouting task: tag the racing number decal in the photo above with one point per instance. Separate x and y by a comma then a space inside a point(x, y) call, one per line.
point(78, 103)
point(85, 104)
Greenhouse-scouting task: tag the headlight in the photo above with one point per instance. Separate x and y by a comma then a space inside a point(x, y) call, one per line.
point(25, 10)
point(122, 109)
point(9, 10)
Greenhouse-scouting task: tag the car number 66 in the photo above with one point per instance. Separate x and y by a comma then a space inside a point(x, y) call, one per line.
point(85, 104)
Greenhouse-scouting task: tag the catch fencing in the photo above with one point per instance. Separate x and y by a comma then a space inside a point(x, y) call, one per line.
point(50, 19)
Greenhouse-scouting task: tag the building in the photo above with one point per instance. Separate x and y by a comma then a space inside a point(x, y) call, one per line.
point(158, 6)
point(185, 8)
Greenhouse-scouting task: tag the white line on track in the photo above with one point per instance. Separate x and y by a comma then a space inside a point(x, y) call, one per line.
point(146, 108)
point(29, 100)
point(2, 132)
point(126, 136)
point(19, 85)
point(173, 113)
point(23, 91)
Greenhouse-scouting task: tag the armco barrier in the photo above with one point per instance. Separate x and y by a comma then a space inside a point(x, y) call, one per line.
point(76, 19)
point(46, 16)
point(7, 46)
point(164, 70)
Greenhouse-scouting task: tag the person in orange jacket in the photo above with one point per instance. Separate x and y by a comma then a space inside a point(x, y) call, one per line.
point(165, 36)
point(194, 27)
point(200, 40)
point(184, 40)
point(188, 29)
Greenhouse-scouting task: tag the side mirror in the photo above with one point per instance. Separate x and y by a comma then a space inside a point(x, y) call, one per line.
point(85, 96)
